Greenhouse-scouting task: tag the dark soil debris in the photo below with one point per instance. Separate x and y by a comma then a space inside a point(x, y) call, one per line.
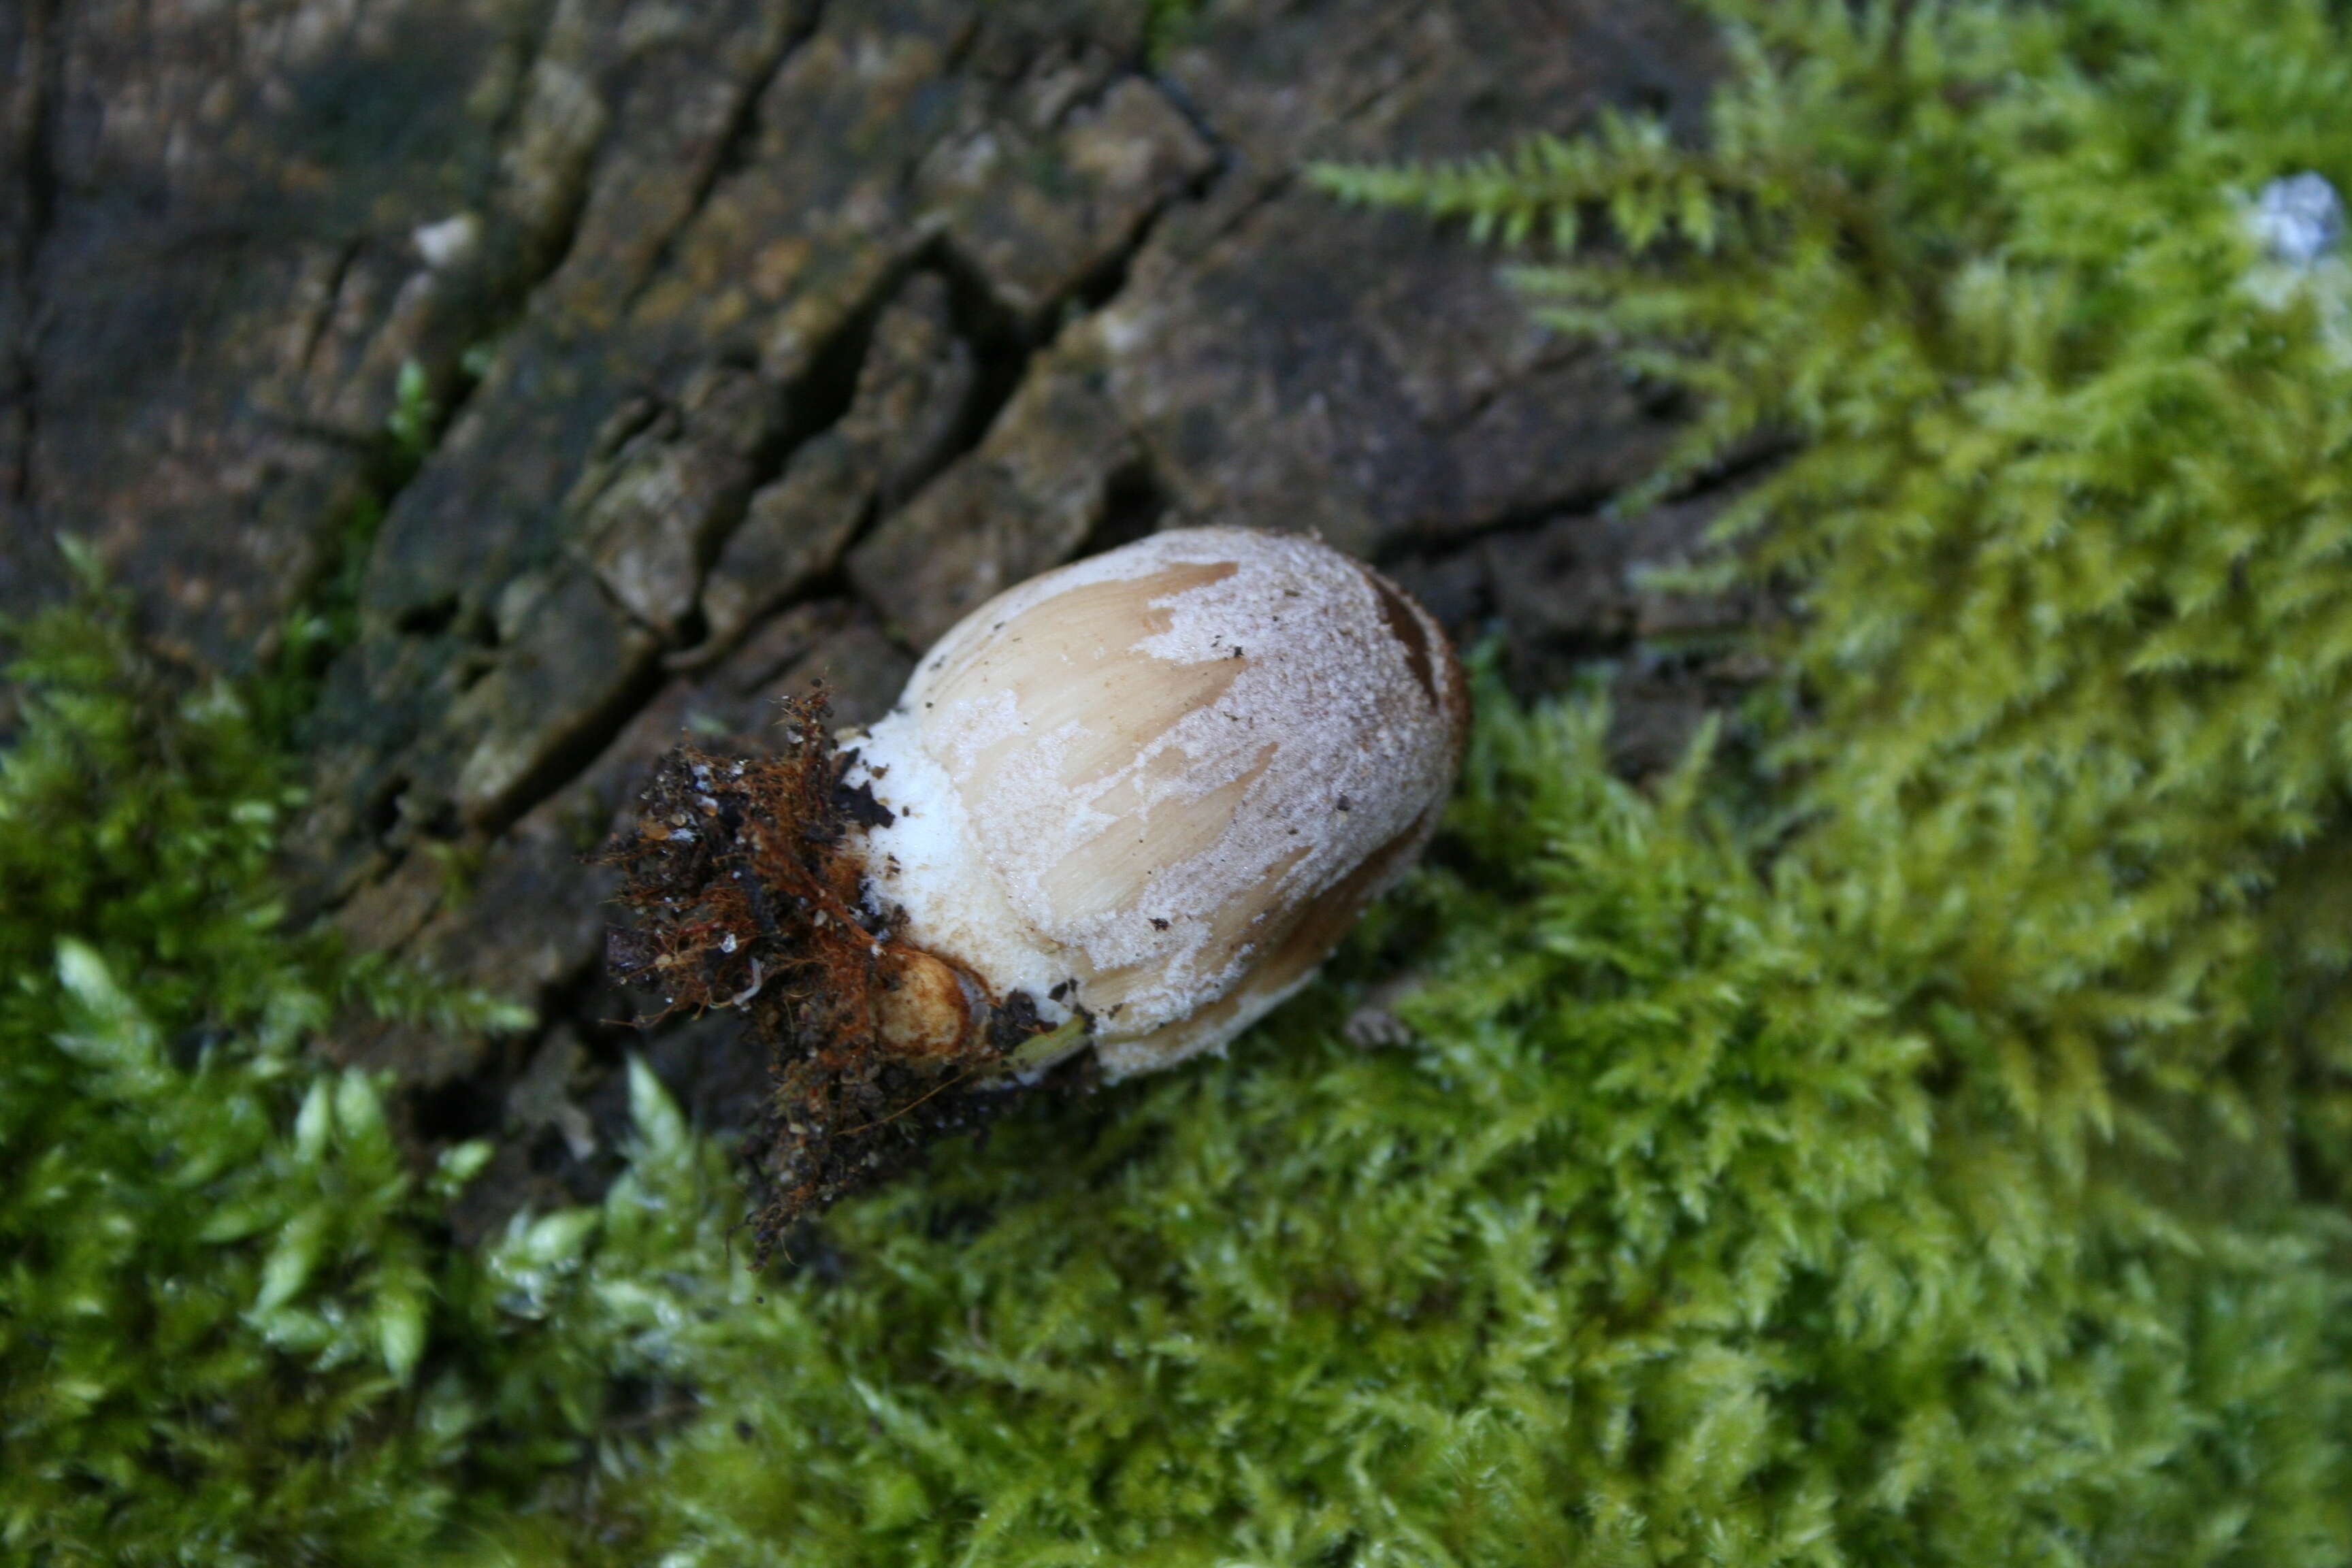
point(742, 876)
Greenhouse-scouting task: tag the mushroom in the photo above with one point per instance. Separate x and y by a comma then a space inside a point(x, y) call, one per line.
point(1121, 810)
point(1156, 787)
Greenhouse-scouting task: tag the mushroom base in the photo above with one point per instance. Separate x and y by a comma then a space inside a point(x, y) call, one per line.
point(744, 877)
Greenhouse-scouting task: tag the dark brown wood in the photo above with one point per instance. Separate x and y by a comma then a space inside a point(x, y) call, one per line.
point(689, 352)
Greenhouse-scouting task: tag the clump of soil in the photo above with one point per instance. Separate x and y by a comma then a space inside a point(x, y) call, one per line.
point(744, 878)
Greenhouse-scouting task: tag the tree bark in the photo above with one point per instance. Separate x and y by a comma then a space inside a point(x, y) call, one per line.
point(628, 364)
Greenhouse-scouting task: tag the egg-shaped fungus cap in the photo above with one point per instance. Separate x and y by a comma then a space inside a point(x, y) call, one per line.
point(1151, 790)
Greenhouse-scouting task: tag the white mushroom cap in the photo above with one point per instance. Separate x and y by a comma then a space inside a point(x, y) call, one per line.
point(1160, 782)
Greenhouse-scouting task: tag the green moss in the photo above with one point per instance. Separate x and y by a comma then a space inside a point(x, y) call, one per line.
point(1662, 1243)
point(1945, 1165)
point(2065, 517)
point(231, 1327)
point(1167, 25)
point(1656, 1247)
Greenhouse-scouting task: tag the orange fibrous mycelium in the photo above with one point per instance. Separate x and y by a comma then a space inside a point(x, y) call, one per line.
point(744, 876)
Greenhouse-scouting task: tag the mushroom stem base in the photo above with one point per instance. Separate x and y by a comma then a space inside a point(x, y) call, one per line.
point(744, 878)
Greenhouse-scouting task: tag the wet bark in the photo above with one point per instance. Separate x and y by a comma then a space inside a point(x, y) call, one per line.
point(620, 366)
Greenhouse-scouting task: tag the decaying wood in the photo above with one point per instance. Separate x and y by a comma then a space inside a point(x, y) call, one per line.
point(622, 367)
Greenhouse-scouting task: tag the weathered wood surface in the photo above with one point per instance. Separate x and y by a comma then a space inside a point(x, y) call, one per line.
point(769, 335)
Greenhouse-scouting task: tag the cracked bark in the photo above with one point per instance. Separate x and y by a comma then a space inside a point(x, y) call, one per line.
point(769, 337)
point(28, 567)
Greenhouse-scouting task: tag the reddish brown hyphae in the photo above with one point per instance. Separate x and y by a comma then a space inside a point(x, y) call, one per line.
point(743, 877)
